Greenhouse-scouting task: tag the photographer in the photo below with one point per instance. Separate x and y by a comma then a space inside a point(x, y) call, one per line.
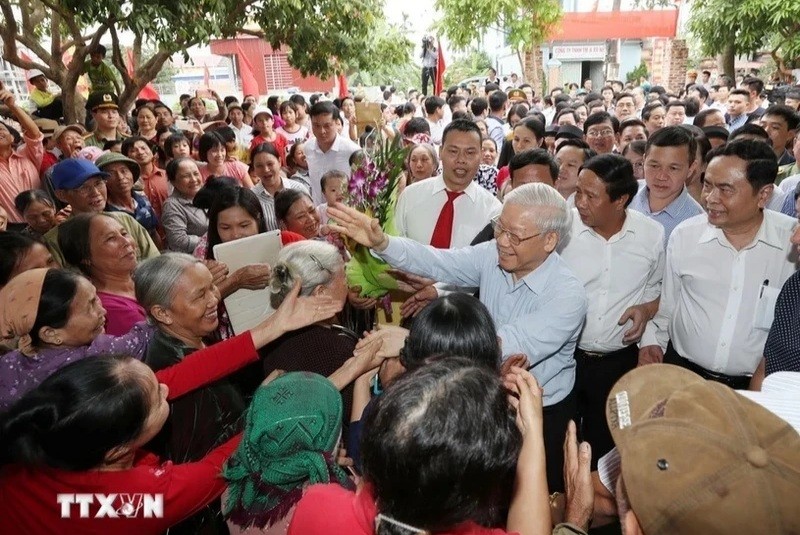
point(429, 59)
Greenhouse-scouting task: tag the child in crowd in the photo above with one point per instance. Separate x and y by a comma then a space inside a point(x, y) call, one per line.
point(332, 184)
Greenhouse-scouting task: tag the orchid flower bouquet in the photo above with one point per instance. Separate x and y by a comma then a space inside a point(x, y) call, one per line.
point(372, 189)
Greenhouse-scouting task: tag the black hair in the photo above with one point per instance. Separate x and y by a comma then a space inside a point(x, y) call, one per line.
point(701, 118)
point(490, 139)
point(171, 142)
point(566, 111)
point(298, 99)
point(637, 146)
point(600, 118)
point(534, 125)
point(790, 116)
point(58, 291)
point(290, 156)
point(673, 136)
point(617, 174)
point(230, 99)
point(284, 201)
point(98, 49)
point(229, 198)
point(743, 92)
point(208, 141)
point(13, 248)
point(478, 106)
point(497, 100)
point(647, 111)
point(97, 397)
point(751, 129)
point(762, 165)
point(272, 103)
point(588, 152)
point(417, 125)
point(263, 148)
point(433, 103)
point(700, 89)
point(533, 157)
point(129, 142)
point(331, 174)
point(213, 187)
point(520, 110)
point(75, 242)
point(461, 125)
point(675, 104)
point(464, 115)
point(111, 143)
point(172, 167)
point(226, 133)
point(24, 199)
point(754, 84)
point(456, 324)
point(632, 121)
point(658, 89)
point(442, 447)
point(324, 107)
point(287, 105)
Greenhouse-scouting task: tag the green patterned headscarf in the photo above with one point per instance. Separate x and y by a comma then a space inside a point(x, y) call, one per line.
point(291, 430)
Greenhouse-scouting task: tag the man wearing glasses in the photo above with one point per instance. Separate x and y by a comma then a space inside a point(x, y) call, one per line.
point(537, 303)
point(601, 130)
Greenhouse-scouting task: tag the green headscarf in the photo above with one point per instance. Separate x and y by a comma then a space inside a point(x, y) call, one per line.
point(291, 430)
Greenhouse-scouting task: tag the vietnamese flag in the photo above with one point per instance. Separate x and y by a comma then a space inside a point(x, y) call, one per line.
point(343, 89)
point(249, 83)
point(148, 92)
point(438, 84)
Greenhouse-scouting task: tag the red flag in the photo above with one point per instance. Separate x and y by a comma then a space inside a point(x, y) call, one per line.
point(343, 89)
point(438, 84)
point(148, 91)
point(206, 77)
point(249, 83)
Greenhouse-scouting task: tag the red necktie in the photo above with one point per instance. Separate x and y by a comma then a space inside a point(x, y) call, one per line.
point(444, 225)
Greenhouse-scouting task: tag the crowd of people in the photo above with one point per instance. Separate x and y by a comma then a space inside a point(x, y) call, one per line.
point(598, 322)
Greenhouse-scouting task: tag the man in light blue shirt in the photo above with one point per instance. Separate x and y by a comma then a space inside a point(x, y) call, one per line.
point(537, 303)
point(669, 159)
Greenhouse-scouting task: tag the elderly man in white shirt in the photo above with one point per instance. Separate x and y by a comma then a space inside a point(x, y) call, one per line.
point(327, 150)
point(618, 255)
point(724, 271)
point(449, 210)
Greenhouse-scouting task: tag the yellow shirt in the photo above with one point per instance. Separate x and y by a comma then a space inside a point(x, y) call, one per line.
point(42, 98)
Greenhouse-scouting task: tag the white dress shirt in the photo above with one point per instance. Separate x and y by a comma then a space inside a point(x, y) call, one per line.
point(420, 204)
point(617, 273)
point(244, 135)
point(710, 292)
point(268, 201)
point(437, 129)
point(337, 157)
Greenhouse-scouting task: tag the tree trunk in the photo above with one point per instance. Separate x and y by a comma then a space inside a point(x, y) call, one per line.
point(532, 68)
point(728, 60)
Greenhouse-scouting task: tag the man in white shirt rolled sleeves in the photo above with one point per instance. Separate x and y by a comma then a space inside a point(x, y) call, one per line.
point(723, 271)
point(422, 204)
point(327, 150)
point(618, 255)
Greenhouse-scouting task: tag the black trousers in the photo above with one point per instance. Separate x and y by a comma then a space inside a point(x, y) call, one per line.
point(428, 75)
point(738, 382)
point(594, 377)
point(54, 110)
point(555, 420)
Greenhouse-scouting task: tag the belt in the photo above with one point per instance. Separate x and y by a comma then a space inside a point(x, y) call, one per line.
point(740, 382)
point(596, 355)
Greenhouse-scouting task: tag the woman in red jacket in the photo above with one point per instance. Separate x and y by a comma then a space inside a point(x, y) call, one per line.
point(70, 449)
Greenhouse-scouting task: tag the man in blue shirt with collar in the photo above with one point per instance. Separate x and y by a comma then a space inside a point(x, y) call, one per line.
point(537, 303)
point(669, 159)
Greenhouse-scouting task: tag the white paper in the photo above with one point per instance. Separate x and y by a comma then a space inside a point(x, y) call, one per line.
point(765, 308)
point(248, 308)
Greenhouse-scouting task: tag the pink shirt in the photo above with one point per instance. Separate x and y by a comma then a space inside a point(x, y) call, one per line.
point(233, 169)
point(20, 173)
point(122, 313)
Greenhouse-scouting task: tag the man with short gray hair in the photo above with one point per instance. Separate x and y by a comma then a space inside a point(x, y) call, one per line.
point(537, 303)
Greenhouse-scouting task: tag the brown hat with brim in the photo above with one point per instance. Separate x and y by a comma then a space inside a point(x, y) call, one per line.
point(699, 458)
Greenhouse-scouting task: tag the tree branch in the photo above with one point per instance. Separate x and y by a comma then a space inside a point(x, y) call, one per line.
point(116, 58)
point(67, 16)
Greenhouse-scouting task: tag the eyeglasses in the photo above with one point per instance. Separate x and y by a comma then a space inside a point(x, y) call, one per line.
point(319, 264)
point(90, 187)
point(600, 133)
point(515, 240)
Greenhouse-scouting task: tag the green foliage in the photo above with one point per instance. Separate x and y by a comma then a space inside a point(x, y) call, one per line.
point(526, 22)
point(474, 63)
point(351, 31)
point(748, 25)
point(638, 72)
point(393, 44)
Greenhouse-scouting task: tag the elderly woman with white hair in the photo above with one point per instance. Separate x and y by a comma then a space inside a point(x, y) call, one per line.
point(537, 303)
point(324, 346)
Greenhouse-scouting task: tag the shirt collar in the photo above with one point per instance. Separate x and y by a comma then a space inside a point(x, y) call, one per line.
point(627, 226)
point(767, 234)
point(438, 185)
point(538, 279)
point(673, 209)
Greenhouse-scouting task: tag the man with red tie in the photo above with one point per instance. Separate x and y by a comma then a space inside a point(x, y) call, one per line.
point(448, 210)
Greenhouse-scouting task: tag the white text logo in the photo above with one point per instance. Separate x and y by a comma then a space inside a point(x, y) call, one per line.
point(112, 505)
